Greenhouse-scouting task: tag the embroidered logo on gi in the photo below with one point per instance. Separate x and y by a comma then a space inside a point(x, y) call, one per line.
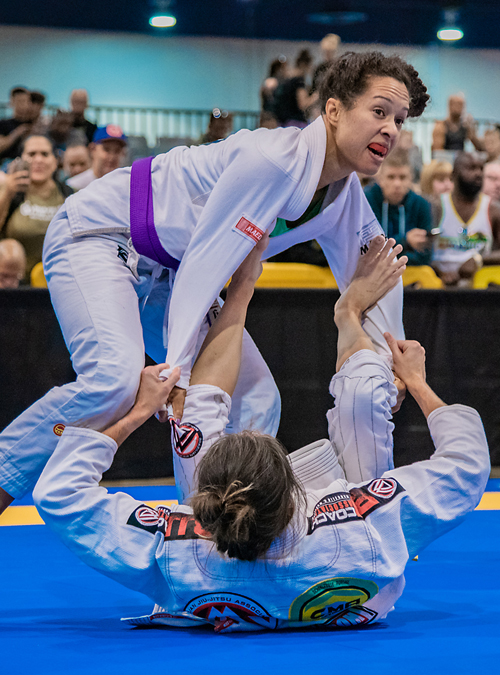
point(223, 609)
point(377, 493)
point(58, 429)
point(366, 234)
point(383, 487)
point(249, 229)
point(187, 439)
point(335, 602)
point(146, 518)
point(333, 509)
point(122, 253)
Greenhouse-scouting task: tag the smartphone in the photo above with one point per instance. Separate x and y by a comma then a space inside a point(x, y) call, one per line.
point(18, 164)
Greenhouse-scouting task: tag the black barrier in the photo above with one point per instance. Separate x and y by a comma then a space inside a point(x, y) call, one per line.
point(295, 332)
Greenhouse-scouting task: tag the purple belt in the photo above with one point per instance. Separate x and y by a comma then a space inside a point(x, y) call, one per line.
point(142, 220)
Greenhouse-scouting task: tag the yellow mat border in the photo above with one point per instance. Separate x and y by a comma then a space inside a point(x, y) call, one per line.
point(28, 515)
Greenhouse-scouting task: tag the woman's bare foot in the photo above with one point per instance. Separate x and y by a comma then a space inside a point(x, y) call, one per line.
point(377, 272)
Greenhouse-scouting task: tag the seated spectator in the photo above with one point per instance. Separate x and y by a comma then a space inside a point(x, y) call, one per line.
point(107, 152)
point(267, 120)
point(220, 126)
point(468, 222)
point(278, 72)
point(435, 178)
point(491, 180)
point(491, 142)
point(15, 129)
point(31, 196)
point(404, 215)
point(12, 263)
point(292, 97)
point(79, 101)
point(451, 133)
point(76, 160)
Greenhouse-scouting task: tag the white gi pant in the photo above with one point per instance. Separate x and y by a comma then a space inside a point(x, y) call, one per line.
point(95, 297)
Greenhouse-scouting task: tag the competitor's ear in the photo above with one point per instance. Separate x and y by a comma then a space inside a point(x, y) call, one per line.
point(332, 111)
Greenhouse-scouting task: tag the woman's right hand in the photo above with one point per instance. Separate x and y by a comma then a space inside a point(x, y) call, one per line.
point(17, 182)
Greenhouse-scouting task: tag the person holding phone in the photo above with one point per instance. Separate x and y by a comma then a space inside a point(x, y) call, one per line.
point(31, 196)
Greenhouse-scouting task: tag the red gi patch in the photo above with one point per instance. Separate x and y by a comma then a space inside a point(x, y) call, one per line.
point(187, 439)
point(249, 229)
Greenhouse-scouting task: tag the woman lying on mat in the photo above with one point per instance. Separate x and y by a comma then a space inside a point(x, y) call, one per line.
point(263, 540)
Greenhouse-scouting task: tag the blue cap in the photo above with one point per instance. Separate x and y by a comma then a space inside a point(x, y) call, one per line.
point(111, 132)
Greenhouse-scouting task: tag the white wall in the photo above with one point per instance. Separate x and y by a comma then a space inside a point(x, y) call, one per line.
point(200, 73)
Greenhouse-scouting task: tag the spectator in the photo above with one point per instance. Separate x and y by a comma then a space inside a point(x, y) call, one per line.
point(107, 151)
point(435, 178)
point(267, 120)
point(468, 222)
point(491, 142)
point(31, 197)
point(62, 133)
point(292, 98)
point(79, 101)
point(404, 215)
point(451, 133)
point(16, 128)
point(12, 263)
point(329, 47)
point(220, 126)
point(76, 160)
point(491, 180)
point(278, 72)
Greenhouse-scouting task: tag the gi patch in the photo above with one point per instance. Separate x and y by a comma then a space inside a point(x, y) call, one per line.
point(249, 230)
point(377, 493)
point(224, 609)
point(335, 602)
point(182, 526)
point(187, 439)
point(122, 253)
point(58, 429)
point(146, 518)
point(335, 508)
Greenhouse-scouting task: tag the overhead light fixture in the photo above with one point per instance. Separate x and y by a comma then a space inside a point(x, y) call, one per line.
point(450, 32)
point(162, 21)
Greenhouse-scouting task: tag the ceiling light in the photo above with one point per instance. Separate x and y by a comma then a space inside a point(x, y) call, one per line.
point(450, 31)
point(162, 21)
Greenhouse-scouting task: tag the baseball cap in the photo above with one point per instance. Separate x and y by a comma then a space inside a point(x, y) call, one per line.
point(111, 132)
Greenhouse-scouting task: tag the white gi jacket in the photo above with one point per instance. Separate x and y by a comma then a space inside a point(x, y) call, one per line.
point(340, 564)
point(211, 203)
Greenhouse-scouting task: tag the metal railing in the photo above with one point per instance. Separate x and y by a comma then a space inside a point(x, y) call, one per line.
point(155, 123)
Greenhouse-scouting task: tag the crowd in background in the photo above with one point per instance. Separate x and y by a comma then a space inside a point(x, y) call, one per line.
point(446, 214)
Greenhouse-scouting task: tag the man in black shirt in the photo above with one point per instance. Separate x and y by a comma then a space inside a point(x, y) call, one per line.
point(79, 101)
point(14, 130)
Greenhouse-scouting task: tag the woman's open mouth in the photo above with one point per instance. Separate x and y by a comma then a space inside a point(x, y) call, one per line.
point(378, 150)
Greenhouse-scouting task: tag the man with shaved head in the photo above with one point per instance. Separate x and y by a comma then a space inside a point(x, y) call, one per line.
point(79, 101)
point(451, 133)
point(468, 222)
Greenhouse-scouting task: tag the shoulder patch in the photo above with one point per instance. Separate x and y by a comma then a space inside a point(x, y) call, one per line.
point(181, 526)
point(375, 494)
point(333, 509)
point(146, 518)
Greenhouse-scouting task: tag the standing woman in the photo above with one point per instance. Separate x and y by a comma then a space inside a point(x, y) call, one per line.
point(292, 99)
point(193, 215)
point(31, 197)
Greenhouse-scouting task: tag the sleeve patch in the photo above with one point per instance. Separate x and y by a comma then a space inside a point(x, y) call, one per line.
point(248, 229)
point(187, 439)
point(146, 518)
point(375, 494)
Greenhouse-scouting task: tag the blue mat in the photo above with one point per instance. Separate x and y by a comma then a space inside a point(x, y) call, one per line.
point(59, 617)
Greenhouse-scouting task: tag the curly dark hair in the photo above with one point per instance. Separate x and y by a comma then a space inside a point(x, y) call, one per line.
point(348, 78)
point(247, 494)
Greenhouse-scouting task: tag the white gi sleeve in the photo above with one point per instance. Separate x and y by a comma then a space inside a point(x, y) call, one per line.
point(439, 492)
point(91, 522)
point(206, 414)
point(242, 206)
